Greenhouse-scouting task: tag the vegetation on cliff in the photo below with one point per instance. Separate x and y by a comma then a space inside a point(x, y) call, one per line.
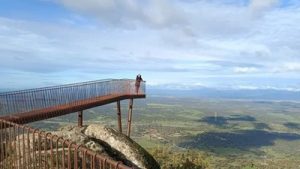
point(190, 159)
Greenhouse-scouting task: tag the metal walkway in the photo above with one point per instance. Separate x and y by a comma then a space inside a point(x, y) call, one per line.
point(71, 95)
point(31, 105)
point(24, 147)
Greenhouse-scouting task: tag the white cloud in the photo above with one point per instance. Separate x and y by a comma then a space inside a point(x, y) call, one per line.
point(261, 5)
point(154, 13)
point(268, 88)
point(292, 66)
point(172, 41)
point(288, 67)
point(245, 70)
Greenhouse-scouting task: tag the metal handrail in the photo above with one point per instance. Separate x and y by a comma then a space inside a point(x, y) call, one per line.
point(32, 99)
point(24, 147)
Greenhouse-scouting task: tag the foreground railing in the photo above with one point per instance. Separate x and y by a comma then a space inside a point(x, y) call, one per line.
point(23, 147)
point(33, 99)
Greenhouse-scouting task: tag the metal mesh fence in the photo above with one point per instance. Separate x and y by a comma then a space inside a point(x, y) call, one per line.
point(23, 147)
point(33, 99)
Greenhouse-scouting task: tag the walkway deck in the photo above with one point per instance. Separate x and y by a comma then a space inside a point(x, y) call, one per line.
point(46, 113)
point(39, 104)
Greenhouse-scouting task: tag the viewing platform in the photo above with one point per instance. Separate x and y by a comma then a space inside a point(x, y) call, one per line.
point(32, 105)
point(24, 147)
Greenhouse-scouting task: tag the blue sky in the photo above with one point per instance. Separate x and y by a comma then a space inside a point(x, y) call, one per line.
point(236, 44)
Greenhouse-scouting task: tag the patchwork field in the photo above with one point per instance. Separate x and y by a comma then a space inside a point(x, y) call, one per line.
point(227, 133)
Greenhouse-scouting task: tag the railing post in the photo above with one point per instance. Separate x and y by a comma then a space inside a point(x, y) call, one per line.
point(119, 116)
point(80, 118)
point(129, 117)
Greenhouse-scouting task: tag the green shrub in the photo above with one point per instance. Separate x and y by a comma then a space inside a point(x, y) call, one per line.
point(170, 159)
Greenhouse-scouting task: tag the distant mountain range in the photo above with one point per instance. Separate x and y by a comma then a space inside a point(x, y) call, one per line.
point(251, 94)
point(4, 90)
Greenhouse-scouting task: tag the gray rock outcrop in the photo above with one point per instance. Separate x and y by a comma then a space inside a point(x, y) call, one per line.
point(111, 144)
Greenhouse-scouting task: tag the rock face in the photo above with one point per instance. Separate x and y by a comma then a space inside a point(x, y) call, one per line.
point(76, 134)
point(111, 144)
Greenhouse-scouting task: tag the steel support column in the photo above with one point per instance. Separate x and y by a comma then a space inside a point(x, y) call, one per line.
point(129, 117)
point(80, 118)
point(119, 116)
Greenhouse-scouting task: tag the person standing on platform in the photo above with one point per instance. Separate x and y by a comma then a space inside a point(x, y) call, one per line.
point(138, 81)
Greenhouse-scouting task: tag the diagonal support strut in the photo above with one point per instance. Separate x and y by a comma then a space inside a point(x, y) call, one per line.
point(129, 117)
point(119, 116)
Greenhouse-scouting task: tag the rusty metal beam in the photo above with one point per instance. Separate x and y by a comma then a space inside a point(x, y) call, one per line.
point(55, 111)
point(129, 117)
point(119, 116)
point(80, 118)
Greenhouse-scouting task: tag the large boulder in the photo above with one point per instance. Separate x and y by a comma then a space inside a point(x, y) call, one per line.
point(110, 143)
point(121, 145)
point(76, 134)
